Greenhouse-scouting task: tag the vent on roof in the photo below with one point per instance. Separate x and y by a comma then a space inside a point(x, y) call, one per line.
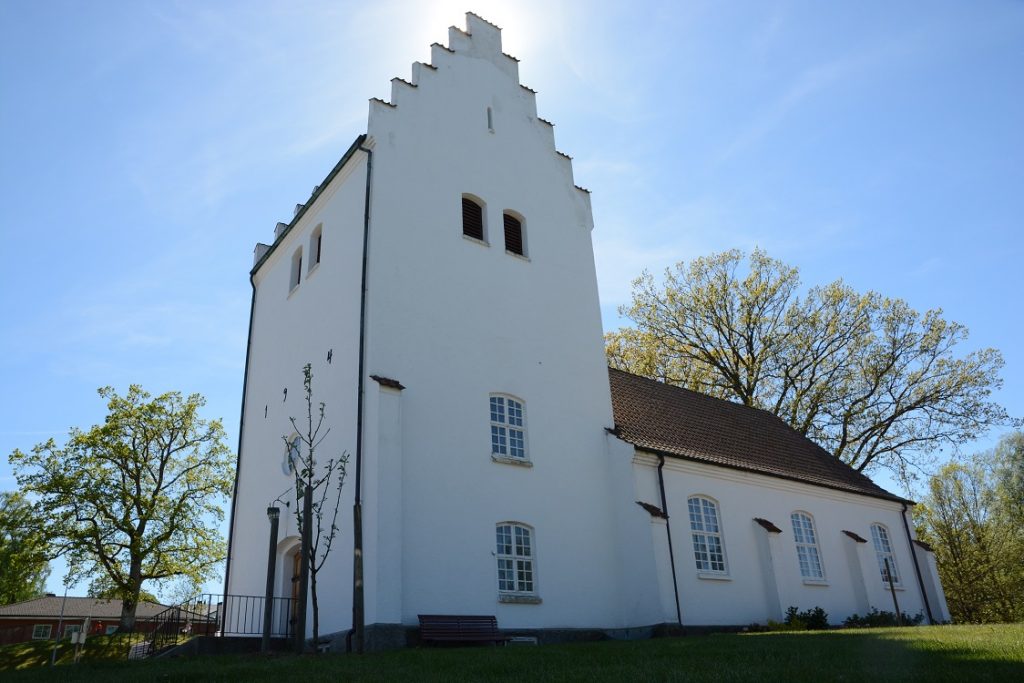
point(472, 219)
point(279, 230)
point(298, 207)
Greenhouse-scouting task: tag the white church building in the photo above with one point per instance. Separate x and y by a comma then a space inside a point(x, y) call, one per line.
point(441, 283)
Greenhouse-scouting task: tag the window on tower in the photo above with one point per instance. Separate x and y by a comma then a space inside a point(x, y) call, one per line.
point(296, 276)
point(473, 218)
point(514, 243)
point(517, 578)
point(315, 245)
point(508, 429)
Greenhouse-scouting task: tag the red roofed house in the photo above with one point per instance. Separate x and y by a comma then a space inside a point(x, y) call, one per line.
point(39, 618)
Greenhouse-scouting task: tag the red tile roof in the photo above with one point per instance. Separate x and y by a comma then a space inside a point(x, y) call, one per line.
point(74, 608)
point(677, 422)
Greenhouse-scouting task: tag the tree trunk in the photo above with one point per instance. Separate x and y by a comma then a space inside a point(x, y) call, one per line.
point(316, 611)
point(130, 599)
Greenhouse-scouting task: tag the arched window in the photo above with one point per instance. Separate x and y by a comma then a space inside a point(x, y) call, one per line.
point(514, 242)
point(807, 546)
point(708, 550)
point(292, 455)
point(473, 218)
point(315, 245)
point(296, 277)
point(508, 427)
point(515, 558)
point(883, 551)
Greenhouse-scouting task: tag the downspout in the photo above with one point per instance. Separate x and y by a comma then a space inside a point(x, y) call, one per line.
point(357, 635)
point(668, 532)
point(241, 430)
point(917, 567)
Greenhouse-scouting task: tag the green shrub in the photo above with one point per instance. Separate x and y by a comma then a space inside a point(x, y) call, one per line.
point(809, 620)
point(881, 618)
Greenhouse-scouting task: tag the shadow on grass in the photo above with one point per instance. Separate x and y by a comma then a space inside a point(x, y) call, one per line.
point(945, 653)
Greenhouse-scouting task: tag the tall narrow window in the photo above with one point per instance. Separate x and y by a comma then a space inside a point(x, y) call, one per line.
point(515, 558)
point(707, 535)
point(807, 546)
point(508, 427)
point(472, 219)
point(883, 551)
point(514, 235)
point(296, 277)
point(316, 241)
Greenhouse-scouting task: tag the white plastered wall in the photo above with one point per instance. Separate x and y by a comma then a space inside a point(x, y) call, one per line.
point(454, 320)
point(741, 596)
point(292, 327)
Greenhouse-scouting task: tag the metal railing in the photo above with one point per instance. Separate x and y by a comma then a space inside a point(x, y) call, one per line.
point(209, 615)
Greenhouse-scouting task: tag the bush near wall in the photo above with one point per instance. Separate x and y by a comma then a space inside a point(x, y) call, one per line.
point(882, 618)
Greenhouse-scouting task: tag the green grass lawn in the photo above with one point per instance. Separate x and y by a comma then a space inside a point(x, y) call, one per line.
point(37, 653)
point(939, 653)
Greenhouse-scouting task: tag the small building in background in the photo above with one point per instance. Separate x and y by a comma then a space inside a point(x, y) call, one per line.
point(40, 618)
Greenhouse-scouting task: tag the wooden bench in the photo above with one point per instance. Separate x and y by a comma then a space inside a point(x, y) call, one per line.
point(459, 628)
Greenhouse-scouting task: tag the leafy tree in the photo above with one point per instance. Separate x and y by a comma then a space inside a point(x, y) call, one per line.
point(869, 378)
point(970, 518)
point(24, 551)
point(102, 587)
point(132, 499)
point(313, 478)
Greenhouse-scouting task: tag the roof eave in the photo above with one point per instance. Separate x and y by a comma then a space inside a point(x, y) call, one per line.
point(885, 495)
point(309, 202)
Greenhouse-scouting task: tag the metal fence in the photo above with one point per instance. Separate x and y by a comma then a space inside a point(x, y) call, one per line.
point(210, 615)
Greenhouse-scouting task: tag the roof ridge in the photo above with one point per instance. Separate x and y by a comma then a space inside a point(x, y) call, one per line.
point(722, 433)
point(700, 394)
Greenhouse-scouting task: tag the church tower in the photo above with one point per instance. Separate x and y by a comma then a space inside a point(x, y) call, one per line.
point(468, 379)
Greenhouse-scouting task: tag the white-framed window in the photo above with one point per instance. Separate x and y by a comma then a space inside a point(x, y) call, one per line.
point(71, 629)
point(508, 427)
point(112, 629)
point(708, 549)
point(316, 243)
point(807, 552)
point(883, 551)
point(296, 276)
point(516, 559)
point(41, 631)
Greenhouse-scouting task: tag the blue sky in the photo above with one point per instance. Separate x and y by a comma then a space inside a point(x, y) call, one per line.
point(146, 146)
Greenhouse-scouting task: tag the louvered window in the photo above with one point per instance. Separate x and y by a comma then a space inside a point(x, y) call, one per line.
point(513, 234)
point(472, 219)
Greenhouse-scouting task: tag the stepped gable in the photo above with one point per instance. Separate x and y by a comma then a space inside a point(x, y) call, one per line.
point(677, 422)
point(480, 39)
